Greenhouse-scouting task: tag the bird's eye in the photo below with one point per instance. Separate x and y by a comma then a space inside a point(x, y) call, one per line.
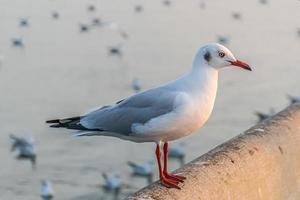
point(221, 54)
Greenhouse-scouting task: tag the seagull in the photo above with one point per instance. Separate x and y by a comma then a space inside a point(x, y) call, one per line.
point(111, 184)
point(163, 114)
point(293, 99)
point(263, 1)
point(144, 170)
point(136, 85)
point(202, 5)
point(91, 8)
point(47, 192)
point(167, 2)
point(55, 15)
point(263, 116)
point(84, 27)
point(17, 42)
point(96, 21)
point(236, 15)
point(138, 8)
point(115, 50)
point(177, 152)
point(23, 22)
point(26, 148)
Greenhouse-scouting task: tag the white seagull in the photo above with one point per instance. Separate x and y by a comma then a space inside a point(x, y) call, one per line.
point(162, 114)
point(47, 192)
point(26, 148)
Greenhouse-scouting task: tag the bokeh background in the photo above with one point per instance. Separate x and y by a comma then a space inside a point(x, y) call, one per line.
point(62, 71)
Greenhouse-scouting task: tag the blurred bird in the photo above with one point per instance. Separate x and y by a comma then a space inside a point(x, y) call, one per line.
point(96, 21)
point(142, 170)
point(202, 5)
point(236, 15)
point(223, 39)
point(47, 192)
point(55, 15)
point(115, 50)
point(263, 116)
point(263, 2)
point(135, 85)
point(138, 8)
point(111, 184)
point(17, 42)
point(84, 27)
point(177, 151)
point(167, 2)
point(91, 8)
point(23, 22)
point(26, 148)
point(293, 99)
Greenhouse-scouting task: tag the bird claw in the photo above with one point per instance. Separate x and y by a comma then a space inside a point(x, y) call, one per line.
point(175, 178)
point(169, 183)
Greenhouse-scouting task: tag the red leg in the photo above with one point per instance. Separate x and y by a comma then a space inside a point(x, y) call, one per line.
point(168, 175)
point(164, 180)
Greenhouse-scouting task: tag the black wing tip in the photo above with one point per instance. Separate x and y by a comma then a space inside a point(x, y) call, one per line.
point(56, 126)
point(52, 121)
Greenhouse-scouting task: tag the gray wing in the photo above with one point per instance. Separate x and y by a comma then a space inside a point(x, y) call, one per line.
point(139, 108)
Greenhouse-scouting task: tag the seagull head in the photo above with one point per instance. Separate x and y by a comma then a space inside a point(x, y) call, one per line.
point(217, 56)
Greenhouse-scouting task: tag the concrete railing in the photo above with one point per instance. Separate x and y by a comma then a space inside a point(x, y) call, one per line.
point(262, 163)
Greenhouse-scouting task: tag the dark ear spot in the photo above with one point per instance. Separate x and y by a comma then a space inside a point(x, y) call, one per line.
point(207, 56)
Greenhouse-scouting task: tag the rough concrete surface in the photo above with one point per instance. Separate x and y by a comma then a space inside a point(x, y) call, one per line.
point(262, 163)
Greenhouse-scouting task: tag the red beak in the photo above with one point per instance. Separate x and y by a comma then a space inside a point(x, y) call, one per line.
point(241, 64)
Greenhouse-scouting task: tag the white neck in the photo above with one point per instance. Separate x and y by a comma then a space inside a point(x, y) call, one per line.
point(202, 79)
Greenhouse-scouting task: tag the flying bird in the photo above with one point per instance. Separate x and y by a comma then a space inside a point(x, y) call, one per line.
point(163, 114)
point(26, 148)
point(47, 192)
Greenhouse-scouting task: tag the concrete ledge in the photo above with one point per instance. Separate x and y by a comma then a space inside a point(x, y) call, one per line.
point(262, 163)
